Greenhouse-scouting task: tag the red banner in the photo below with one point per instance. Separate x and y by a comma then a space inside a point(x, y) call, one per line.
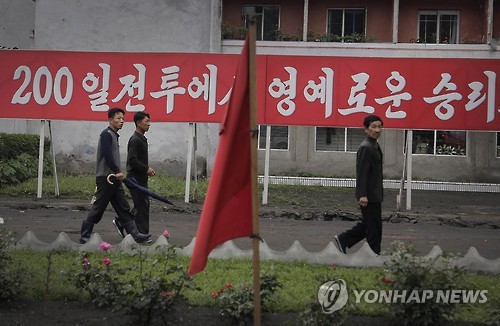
point(408, 93)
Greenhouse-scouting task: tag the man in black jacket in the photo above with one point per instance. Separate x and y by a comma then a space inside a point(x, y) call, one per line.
point(108, 162)
point(138, 168)
point(369, 190)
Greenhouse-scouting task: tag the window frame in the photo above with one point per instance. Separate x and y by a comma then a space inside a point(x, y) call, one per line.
point(497, 144)
point(262, 137)
point(435, 152)
point(261, 24)
point(344, 36)
point(439, 14)
point(346, 140)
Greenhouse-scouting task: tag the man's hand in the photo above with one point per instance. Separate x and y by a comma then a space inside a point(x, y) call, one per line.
point(363, 201)
point(120, 176)
point(151, 172)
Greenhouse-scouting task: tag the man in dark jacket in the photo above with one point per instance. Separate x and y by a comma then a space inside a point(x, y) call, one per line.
point(108, 162)
point(138, 168)
point(369, 190)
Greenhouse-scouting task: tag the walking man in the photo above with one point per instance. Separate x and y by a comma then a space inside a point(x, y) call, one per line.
point(369, 190)
point(138, 168)
point(108, 162)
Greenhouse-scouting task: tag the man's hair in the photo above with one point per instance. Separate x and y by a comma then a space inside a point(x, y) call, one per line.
point(369, 119)
point(112, 112)
point(139, 116)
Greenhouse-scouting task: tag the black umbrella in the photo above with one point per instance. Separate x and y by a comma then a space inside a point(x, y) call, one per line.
point(132, 183)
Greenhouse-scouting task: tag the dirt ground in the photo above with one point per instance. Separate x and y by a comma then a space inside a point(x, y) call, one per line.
point(453, 221)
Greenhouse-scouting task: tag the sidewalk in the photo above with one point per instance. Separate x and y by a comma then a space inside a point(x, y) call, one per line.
point(453, 221)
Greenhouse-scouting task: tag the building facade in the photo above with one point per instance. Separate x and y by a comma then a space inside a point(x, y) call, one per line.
point(388, 29)
point(384, 28)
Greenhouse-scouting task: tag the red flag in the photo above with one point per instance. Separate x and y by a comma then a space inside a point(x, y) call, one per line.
point(227, 211)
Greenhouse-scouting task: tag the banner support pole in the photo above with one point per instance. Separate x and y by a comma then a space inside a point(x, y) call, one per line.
point(265, 193)
point(409, 169)
point(399, 197)
point(188, 162)
point(40, 158)
point(252, 68)
point(53, 152)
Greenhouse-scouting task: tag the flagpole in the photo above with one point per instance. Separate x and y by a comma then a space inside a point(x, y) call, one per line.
point(252, 69)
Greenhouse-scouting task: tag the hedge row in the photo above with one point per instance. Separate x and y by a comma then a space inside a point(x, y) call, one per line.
point(13, 145)
point(19, 158)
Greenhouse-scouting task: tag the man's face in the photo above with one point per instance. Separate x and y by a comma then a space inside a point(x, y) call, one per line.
point(116, 123)
point(144, 124)
point(374, 130)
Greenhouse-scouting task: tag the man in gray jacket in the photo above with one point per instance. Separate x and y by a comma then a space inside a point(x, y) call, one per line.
point(369, 190)
point(108, 162)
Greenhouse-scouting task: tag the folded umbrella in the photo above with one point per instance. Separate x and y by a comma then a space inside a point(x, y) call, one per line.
point(132, 183)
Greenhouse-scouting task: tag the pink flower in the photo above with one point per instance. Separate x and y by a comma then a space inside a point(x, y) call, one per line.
point(106, 261)
point(214, 294)
point(165, 233)
point(85, 261)
point(386, 280)
point(104, 246)
point(334, 266)
point(228, 285)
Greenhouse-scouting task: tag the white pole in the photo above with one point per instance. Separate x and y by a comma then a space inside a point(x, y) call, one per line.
point(409, 167)
point(395, 21)
point(305, 26)
point(188, 164)
point(195, 169)
point(489, 33)
point(402, 183)
point(266, 166)
point(52, 150)
point(40, 158)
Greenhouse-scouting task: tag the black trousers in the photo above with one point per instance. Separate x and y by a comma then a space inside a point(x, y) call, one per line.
point(370, 228)
point(141, 210)
point(109, 193)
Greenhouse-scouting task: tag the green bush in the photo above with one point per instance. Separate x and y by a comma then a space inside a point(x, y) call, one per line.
point(409, 272)
point(10, 285)
point(13, 145)
point(19, 161)
point(236, 302)
point(150, 296)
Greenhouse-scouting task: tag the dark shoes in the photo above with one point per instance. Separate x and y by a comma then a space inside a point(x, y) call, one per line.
point(340, 246)
point(131, 229)
point(119, 228)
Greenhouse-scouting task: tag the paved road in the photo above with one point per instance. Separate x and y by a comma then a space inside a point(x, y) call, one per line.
point(47, 218)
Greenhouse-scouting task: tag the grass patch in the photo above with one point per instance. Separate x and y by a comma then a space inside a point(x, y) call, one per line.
point(300, 281)
point(43, 273)
point(83, 187)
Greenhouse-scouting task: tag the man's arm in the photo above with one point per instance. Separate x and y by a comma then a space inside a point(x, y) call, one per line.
point(107, 152)
point(134, 149)
point(362, 172)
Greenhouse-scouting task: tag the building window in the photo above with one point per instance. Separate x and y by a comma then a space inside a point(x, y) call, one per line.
point(267, 21)
point(346, 25)
point(338, 139)
point(498, 144)
point(279, 137)
point(439, 142)
point(438, 27)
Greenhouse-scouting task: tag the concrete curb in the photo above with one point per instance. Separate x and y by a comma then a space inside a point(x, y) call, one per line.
point(364, 257)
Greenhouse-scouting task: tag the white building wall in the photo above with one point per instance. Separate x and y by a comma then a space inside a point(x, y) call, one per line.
point(194, 26)
point(17, 23)
point(123, 26)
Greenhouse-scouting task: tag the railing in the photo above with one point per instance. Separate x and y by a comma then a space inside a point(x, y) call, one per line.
point(389, 184)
